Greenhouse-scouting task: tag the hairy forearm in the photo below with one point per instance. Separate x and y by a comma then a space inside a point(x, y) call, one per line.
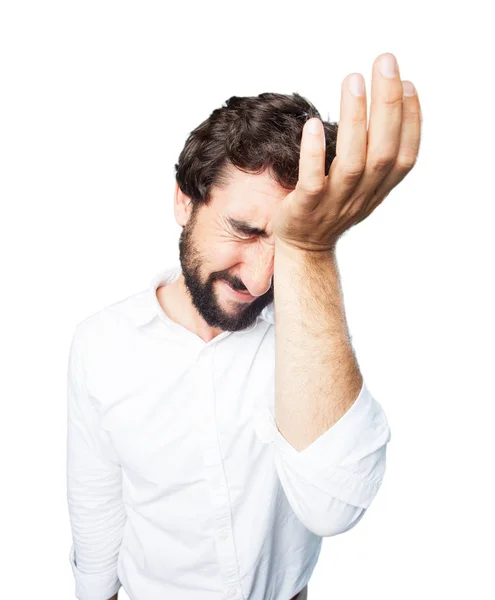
point(317, 377)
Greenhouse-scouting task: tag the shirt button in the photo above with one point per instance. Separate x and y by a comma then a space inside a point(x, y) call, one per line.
point(232, 591)
point(223, 535)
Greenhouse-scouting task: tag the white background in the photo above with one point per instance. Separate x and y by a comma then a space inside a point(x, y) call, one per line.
point(97, 99)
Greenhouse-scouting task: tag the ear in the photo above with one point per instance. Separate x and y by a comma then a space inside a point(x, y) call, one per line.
point(182, 206)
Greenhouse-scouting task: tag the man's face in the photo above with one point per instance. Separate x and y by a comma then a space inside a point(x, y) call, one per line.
point(214, 252)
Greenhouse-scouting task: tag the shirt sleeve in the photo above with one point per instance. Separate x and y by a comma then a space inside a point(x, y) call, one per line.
point(331, 483)
point(94, 492)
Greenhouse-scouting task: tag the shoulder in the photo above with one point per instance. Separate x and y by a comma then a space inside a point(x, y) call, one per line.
point(125, 313)
point(114, 326)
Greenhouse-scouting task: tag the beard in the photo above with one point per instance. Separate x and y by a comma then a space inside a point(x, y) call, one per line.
point(203, 296)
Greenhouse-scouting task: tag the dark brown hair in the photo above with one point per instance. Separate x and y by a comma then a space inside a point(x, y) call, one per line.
point(252, 133)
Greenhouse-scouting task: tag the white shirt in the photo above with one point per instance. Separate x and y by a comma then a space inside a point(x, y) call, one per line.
point(179, 484)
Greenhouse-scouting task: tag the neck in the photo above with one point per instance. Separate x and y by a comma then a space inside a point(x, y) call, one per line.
point(176, 304)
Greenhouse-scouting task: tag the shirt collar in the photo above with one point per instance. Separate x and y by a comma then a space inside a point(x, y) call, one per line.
point(150, 308)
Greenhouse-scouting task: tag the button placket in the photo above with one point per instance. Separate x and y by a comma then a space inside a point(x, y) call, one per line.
point(214, 470)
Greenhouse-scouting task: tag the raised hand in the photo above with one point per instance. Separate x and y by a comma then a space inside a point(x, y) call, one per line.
point(369, 163)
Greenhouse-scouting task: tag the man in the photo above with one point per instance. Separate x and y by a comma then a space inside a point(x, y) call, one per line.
point(218, 424)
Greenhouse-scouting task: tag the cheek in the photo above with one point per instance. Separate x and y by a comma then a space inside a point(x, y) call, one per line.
point(223, 255)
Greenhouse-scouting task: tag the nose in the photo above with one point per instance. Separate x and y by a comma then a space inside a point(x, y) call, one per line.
point(258, 271)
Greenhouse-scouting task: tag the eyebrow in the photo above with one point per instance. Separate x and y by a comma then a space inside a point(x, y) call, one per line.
point(246, 228)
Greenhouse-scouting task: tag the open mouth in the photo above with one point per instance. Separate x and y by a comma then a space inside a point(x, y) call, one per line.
point(241, 295)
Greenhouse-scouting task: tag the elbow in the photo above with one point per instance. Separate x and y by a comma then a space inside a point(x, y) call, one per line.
point(334, 522)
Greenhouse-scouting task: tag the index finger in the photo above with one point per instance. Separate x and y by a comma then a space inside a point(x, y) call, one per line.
point(311, 180)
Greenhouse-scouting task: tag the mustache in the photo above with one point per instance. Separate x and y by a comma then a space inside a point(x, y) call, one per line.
point(241, 288)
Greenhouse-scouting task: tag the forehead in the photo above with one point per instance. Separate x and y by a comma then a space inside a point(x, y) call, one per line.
point(249, 197)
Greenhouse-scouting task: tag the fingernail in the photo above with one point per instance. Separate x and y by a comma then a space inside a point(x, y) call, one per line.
point(409, 89)
point(356, 84)
point(388, 66)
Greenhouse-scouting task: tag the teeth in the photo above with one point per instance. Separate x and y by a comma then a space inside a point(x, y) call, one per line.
point(239, 291)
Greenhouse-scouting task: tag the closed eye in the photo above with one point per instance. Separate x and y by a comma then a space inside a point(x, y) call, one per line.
point(243, 228)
